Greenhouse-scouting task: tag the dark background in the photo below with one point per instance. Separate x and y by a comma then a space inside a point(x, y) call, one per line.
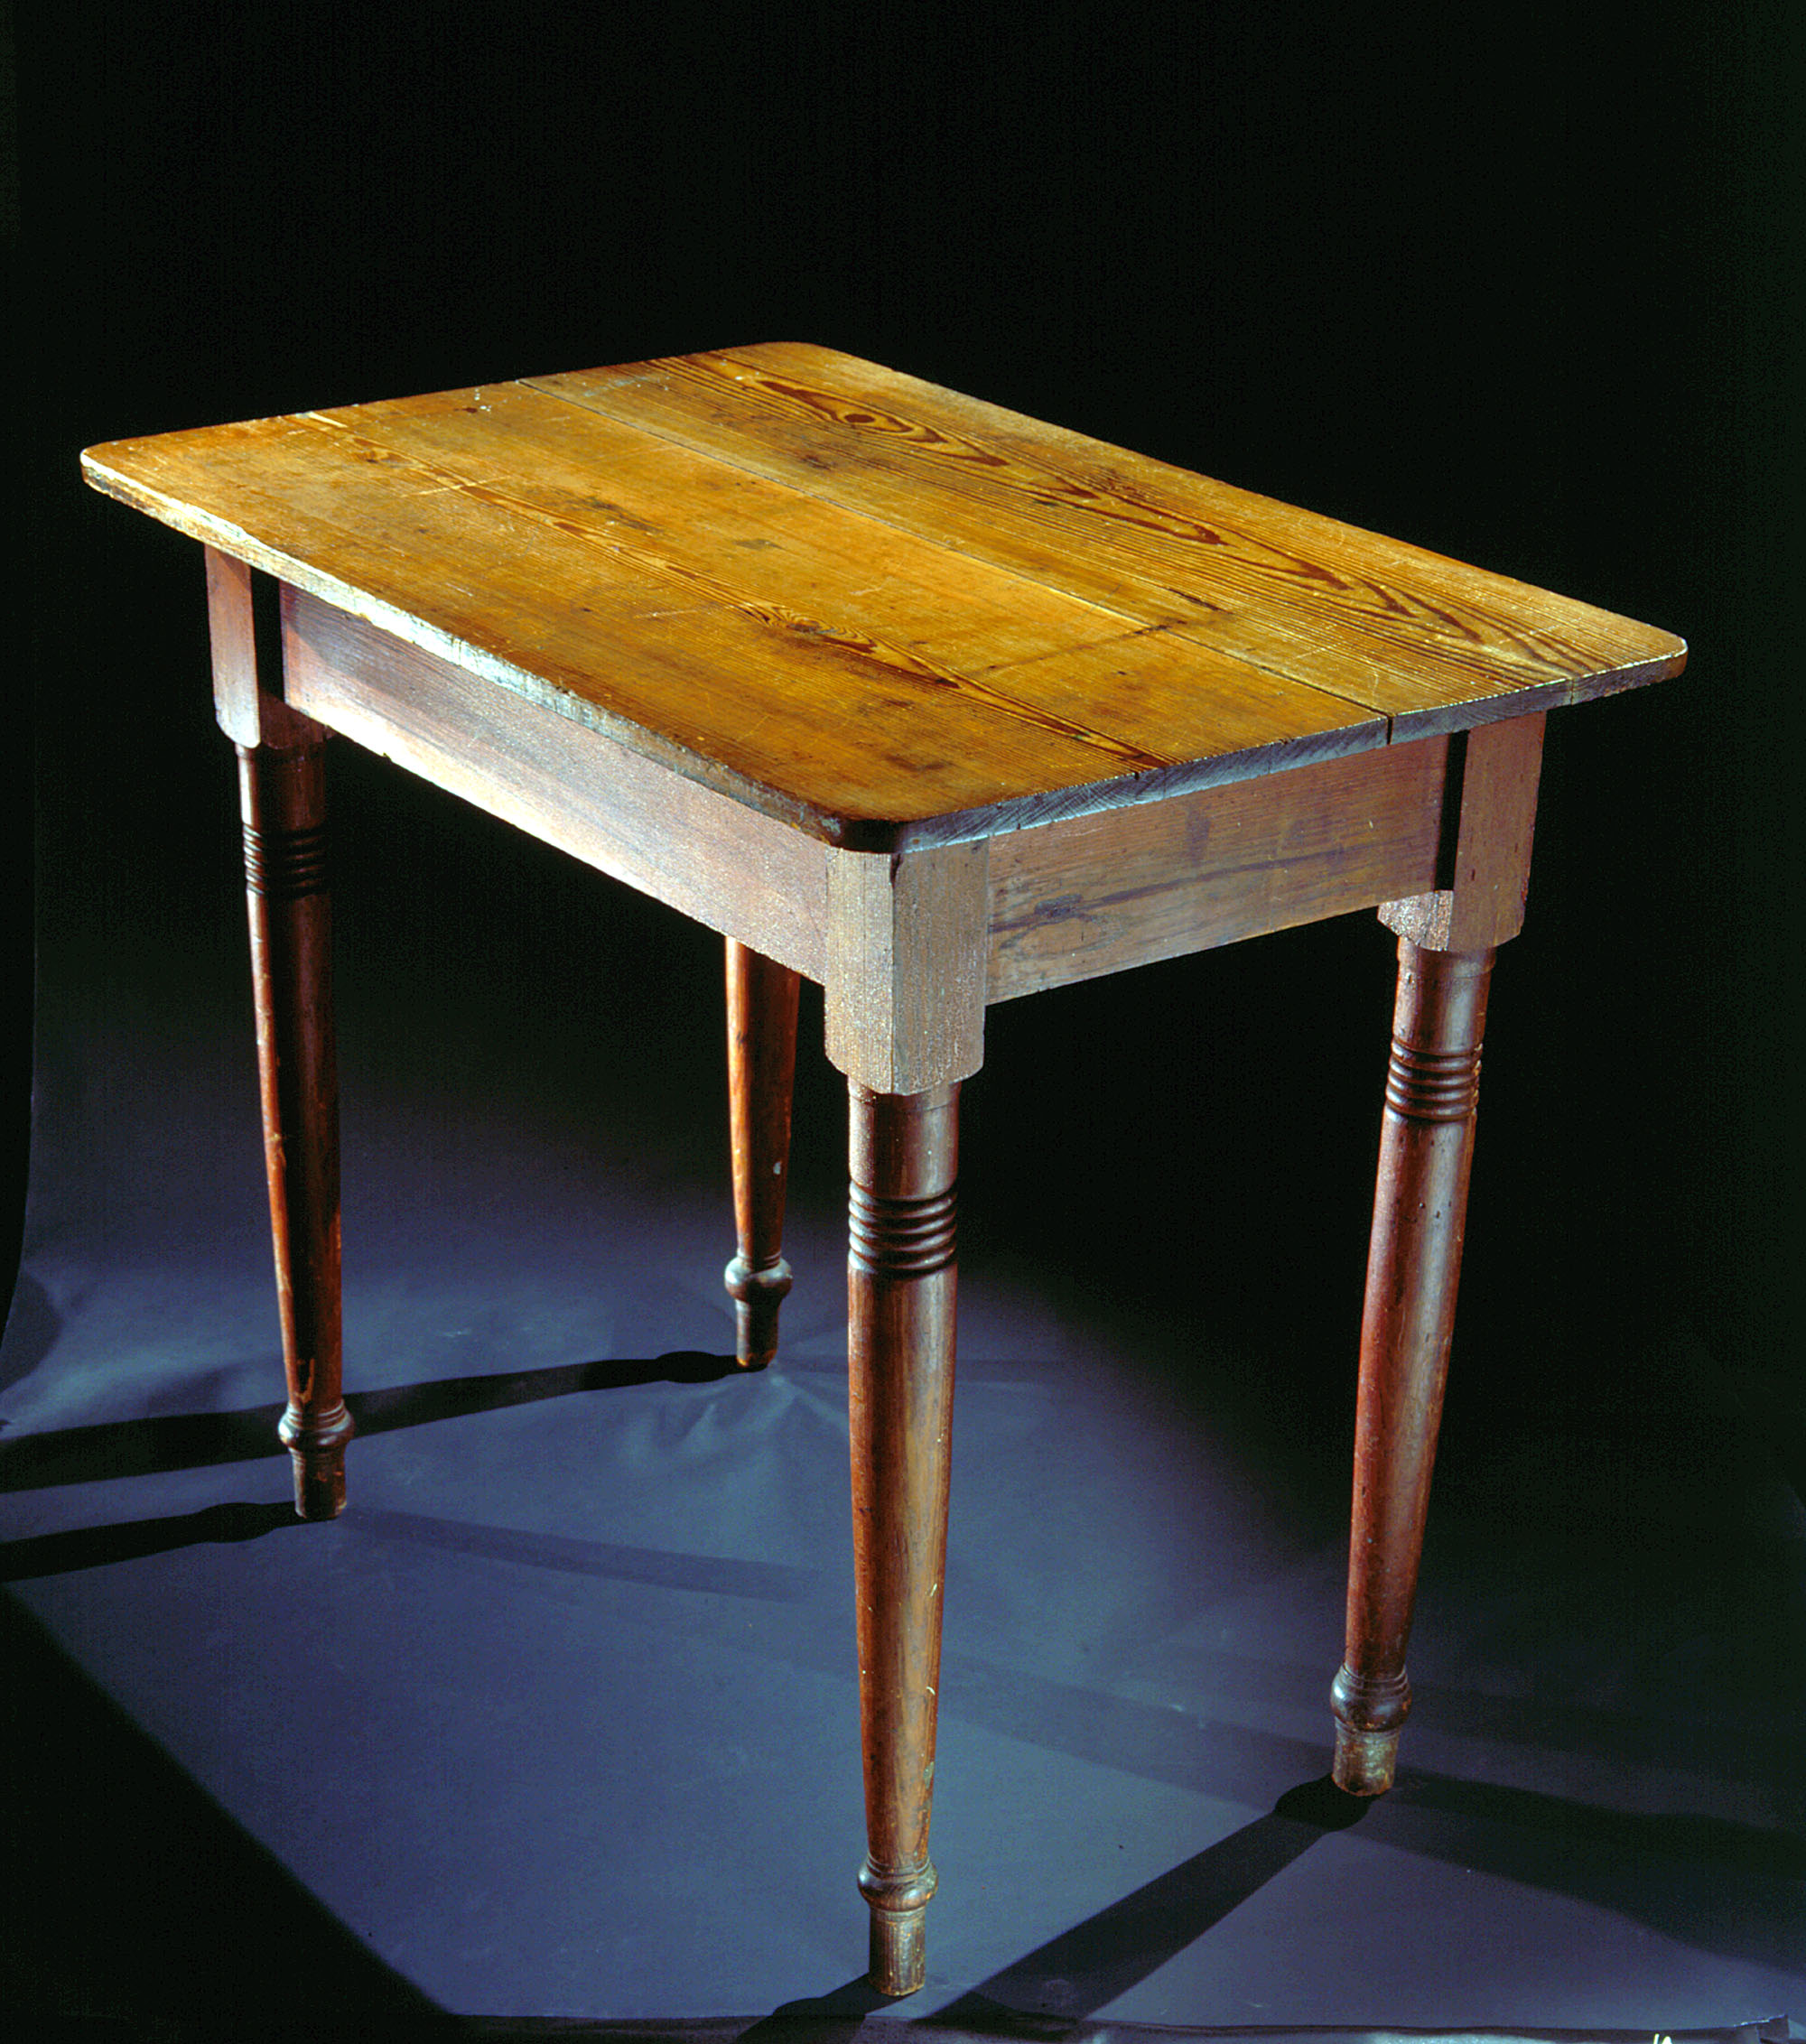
point(1518, 286)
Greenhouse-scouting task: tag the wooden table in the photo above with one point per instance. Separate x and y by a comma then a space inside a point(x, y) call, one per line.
point(937, 706)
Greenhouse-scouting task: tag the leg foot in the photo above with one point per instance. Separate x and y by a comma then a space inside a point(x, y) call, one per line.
point(898, 1952)
point(757, 1295)
point(1368, 1717)
point(761, 1069)
point(317, 1453)
point(1366, 1762)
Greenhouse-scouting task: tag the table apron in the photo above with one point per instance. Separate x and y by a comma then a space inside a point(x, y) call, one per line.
point(1067, 901)
point(1100, 893)
point(719, 862)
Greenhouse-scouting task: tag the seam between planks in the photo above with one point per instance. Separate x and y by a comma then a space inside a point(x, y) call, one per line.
point(873, 517)
point(912, 665)
point(1555, 675)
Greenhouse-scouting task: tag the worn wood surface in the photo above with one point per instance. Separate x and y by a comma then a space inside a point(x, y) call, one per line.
point(876, 610)
point(1408, 1323)
point(904, 1156)
point(907, 965)
point(720, 863)
point(1401, 630)
point(1098, 893)
point(935, 705)
point(761, 1070)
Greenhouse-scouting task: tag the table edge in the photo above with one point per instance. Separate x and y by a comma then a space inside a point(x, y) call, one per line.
point(848, 832)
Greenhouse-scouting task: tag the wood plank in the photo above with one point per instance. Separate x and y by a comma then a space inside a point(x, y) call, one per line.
point(714, 533)
point(681, 651)
point(1431, 642)
point(699, 852)
point(1099, 894)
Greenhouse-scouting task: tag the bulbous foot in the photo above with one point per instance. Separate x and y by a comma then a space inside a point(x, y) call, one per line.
point(757, 1296)
point(899, 1913)
point(317, 1448)
point(1370, 1713)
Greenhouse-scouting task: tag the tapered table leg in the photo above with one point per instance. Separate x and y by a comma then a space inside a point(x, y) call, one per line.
point(900, 1278)
point(283, 794)
point(761, 1071)
point(1414, 1261)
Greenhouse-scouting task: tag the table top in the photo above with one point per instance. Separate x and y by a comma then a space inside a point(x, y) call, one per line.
point(850, 598)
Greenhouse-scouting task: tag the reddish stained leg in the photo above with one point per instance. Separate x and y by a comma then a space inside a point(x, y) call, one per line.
point(1414, 1262)
point(283, 795)
point(900, 1287)
point(761, 1068)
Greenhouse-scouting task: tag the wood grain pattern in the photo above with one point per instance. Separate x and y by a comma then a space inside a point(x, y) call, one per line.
point(903, 1163)
point(906, 972)
point(936, 622)
point(883, 613)
point(725, 865)
point(1407, 1326)
point(1124, 887)
point(1428, 641)
point(843, 677)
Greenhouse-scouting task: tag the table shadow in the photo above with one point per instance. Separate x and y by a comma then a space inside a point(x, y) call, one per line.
point(200, 1440)
point(1048, 1993)
point(160, 1921)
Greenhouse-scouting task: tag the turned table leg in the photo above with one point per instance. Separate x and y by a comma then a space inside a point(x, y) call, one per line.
point(1414, 1262)
point(283, 795)
point(762, 1069)
point(900, 1278)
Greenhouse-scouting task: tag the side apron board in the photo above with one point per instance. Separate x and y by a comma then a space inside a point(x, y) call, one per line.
point(759, 882)
point(1076, 899)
